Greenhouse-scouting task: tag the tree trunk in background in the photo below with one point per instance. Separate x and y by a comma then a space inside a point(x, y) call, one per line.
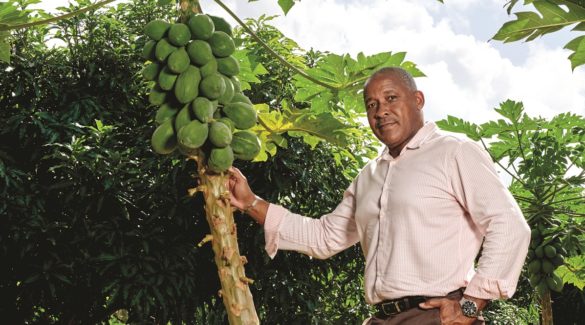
point(546, 312)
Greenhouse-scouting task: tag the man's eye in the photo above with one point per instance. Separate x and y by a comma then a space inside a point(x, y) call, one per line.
point(371, 105)
point(391, 98)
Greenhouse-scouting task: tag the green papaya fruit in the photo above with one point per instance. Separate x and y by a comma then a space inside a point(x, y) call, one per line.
point(534, 279)
point(157, 96)
point(533, 267)
point(241, 98)
point(187, 85)
point(150, 71)
point(547, 267)
point(179, 34)
point(183, 118)
point(221, 25)
point(163, 139)
point(193, 135)
point(220, 134)
point(220, 159)
point(148, 50)
point(243, 115)
point(555, 283)
point(163, 50)
point(179, 61)
point(237, 84)
point(539, 252)
point(229, 66)
point(558, 260)
point(212, 86)
point(166, 79)
point(200, 52)
point(228, 94)
point(534, 233)
point(201, 26)
point(222, 45)
point(550, 251)
point(156, 29)
point(209, 68)
point(165, 112)
point(246, 146)
point(203, 109)
point(227, 122)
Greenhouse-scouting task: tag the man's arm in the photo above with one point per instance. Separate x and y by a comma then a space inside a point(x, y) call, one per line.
point(320, 238)
point(498, 217)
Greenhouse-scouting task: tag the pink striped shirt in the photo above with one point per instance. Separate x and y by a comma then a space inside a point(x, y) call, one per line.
point(420, 219)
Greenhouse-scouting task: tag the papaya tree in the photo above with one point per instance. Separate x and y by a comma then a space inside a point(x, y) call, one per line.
point(545, 160)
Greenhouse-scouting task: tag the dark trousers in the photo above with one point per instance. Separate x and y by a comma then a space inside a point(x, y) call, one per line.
point(418, 316)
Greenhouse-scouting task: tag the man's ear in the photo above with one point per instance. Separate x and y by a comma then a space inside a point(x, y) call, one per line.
point(420, 99)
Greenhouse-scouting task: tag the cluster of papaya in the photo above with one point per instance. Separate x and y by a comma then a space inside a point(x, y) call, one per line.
point(197, 91)
point(544, 256)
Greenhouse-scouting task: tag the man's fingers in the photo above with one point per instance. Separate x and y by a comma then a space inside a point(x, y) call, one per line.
point(234, 172)
point(431, 303)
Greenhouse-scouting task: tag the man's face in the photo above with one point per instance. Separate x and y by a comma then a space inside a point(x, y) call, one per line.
point(394, 110)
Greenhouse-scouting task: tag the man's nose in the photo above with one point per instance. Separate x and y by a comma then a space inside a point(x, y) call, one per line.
point(383, 110)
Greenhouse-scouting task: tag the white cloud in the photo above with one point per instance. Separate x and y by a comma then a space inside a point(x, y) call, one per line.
point(467, 76)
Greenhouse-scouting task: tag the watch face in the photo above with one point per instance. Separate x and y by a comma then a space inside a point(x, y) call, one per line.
point(469, 308)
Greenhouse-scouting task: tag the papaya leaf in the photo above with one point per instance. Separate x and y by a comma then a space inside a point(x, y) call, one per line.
point(511, 110)
point(345, 77)
point(573, 271)
point(577, 45)
point(285, 5)
point(250, 68)
point(455, 124)
point(551, 17)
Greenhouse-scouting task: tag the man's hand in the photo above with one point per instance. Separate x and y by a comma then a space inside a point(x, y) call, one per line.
point(449, 310)
point(241, 195)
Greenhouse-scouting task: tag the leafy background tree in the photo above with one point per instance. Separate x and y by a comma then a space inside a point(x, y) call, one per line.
point(93, 224)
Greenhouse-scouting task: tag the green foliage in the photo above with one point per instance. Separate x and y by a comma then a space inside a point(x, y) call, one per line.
point(551, 16)
point(574, 271)
point(345, 78)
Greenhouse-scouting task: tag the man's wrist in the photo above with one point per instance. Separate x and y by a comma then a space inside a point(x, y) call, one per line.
point(472, 306)
point(248, 207)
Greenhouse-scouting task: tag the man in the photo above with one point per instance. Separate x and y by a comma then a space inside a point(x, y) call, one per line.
point(420, 212)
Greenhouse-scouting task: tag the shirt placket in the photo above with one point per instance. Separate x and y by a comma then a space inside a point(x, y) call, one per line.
point(384, 220)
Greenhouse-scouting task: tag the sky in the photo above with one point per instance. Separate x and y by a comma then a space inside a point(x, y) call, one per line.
point(467, 75)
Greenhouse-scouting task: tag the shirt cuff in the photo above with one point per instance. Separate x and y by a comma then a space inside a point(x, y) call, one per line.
point(490, 289)
point(274, 217)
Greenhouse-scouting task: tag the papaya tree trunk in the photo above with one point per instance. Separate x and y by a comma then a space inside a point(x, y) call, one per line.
point(546, 312)
point(235, 292)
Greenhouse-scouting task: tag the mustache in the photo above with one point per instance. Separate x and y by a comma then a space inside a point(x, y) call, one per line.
point(384, 121)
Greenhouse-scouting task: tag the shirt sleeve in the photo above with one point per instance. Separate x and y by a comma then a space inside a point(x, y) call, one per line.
point(320, 238)
point(498, 217)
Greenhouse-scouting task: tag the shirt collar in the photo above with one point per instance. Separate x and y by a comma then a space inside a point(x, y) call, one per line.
point(421, 136)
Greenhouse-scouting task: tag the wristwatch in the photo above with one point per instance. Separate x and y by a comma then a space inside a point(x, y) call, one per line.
point(469, 307)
